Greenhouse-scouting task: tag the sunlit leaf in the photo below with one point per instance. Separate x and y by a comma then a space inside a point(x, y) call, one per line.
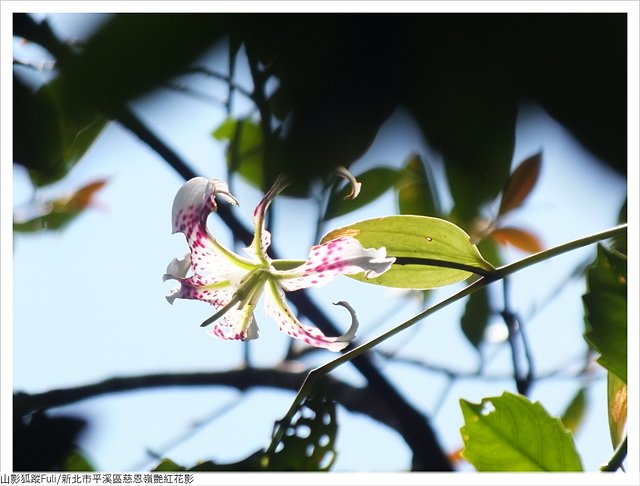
point(414, 190)
point(476, 316)
point(575, 412)
point(617, 403)
point(520, 183)
point(606, 310)
point(245, 148)
point(521, 239)
point(510, 433)
point(375, 182)
point(430, 252)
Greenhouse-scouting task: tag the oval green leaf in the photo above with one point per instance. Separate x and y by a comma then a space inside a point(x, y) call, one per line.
point(429, 252)
point(509, 433)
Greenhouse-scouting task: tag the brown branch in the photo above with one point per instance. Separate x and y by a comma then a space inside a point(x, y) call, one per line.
point(357, 400)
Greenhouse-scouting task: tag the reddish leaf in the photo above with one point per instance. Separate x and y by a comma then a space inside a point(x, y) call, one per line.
point(520, 184)
point(517, 237)
point(80, 199)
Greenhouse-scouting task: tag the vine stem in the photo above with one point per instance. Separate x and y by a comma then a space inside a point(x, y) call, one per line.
point(497, 274)
point(617, 459)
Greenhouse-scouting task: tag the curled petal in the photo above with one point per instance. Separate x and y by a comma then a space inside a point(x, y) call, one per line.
point(277, 308)
point(341, 256)
point(192, 205)
point(195, 200)
point(355, 185)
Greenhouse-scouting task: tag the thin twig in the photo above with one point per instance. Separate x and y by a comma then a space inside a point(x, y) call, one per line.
point(619, 455)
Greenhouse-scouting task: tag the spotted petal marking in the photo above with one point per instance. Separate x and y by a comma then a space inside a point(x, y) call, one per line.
point(342, 256)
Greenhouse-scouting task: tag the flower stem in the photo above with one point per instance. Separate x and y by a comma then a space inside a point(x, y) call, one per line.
point(617, 459)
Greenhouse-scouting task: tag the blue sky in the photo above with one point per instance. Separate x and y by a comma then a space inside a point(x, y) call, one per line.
point(89, 301)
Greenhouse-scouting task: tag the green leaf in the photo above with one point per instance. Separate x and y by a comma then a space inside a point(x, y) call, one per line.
point(476, 316)
point(509, 433)
point(414, 190)
point(77, 462)
point(375, 182)
point(617, 404)
point(430, 252)
point(520, 183)
point(167, 465)
point(245, 149)
point(54, 127)
point(309, 442)
point(573, 415)
point(606, 310)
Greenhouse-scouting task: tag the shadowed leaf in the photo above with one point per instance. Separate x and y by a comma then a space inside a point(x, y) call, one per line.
point(606, 310)
point(476, 316)
point(54, 127)
point(414, 190)
point(575, 412)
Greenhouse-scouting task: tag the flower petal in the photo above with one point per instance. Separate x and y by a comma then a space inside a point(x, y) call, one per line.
point(238, 321)
point(192, 205)
point(217, 292)
point(236, 324)
point(262, 238)
point(341, 256)
point(278, 309)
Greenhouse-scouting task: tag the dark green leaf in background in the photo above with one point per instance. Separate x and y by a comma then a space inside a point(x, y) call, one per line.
point(54, 127)
point(415, 195)
point(309, 442)
point(476, 317)
point(245, 151)
point(606, 310)
point(575, 412)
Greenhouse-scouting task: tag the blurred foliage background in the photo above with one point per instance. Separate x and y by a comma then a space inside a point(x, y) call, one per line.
point(322, 86)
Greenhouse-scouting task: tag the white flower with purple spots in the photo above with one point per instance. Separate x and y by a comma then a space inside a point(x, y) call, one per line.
point(233, 284)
